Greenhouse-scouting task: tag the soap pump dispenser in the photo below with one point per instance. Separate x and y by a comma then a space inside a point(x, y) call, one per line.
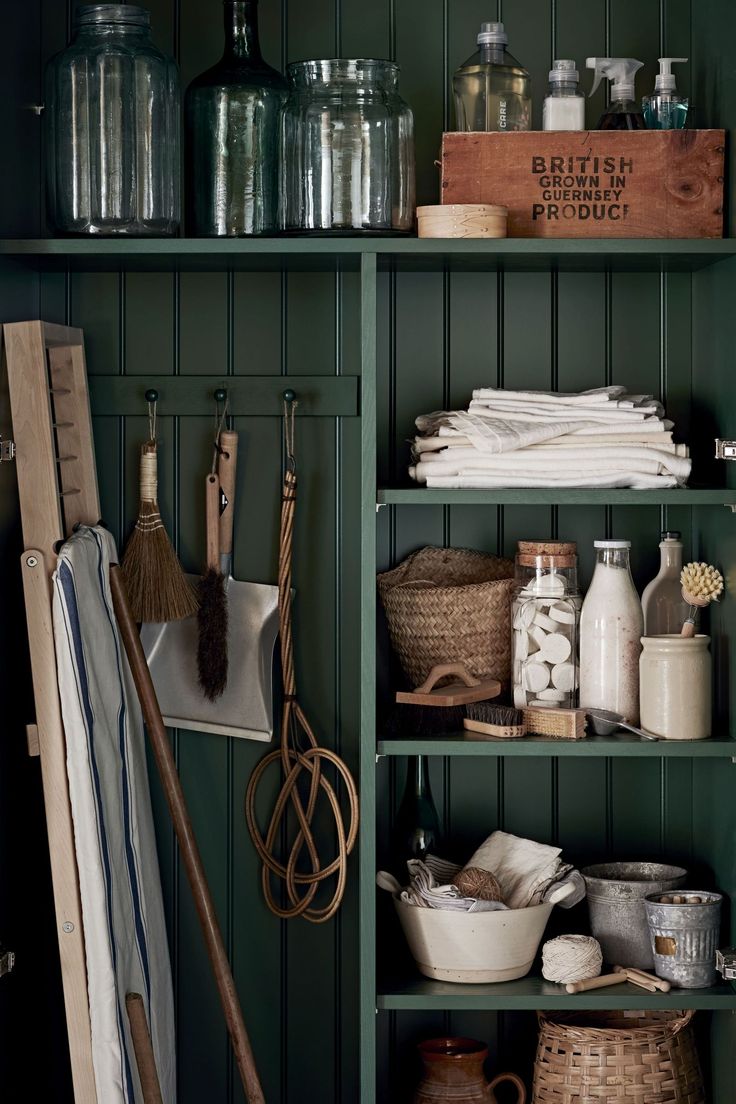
point(623, 112)
point(665, 110)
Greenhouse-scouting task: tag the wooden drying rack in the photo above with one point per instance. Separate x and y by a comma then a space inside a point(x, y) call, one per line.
point(57, 483)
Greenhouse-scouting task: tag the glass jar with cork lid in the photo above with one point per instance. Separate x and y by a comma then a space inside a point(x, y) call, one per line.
point(545, 617)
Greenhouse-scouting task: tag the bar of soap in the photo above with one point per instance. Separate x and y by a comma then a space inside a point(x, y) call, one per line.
point(561, 615)
point(521, 649)
point(538, 635)
point(556, 648)
point(544, 621)
point(536, 676)
point(563, 677)
point(549, 584)
point(551, 695)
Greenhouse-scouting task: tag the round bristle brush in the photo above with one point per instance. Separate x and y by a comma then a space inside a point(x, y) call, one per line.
point(701, 585)
point(484, 720)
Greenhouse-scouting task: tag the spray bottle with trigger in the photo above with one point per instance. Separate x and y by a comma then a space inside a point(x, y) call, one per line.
point(665, 109)
point(623, 112)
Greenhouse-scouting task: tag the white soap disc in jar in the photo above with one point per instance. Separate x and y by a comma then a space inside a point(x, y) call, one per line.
point(563, 677)
point(556, 648)
point(519, 697)
point(526, 614)
point(549, 584)
point(521, 645)
point(551, 695)
point(540, 703)
point(538, 635)
point(536, 676)
point(544, 621)
point(562, 615)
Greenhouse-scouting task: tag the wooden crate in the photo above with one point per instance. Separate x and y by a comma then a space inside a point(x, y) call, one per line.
point(592, 184)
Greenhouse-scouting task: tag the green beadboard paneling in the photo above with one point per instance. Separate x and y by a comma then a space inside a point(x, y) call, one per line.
point(438, 335)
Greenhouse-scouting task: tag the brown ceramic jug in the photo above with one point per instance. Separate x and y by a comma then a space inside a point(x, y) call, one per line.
point(453, 1070)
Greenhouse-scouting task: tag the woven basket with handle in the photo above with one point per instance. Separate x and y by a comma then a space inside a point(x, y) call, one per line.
point(450, 605)
point(631, 1057)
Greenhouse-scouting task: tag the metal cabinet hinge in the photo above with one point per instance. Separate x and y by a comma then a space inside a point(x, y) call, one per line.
point(7, 450)
point(7, 962)
point(726, 963)
point(725, 450)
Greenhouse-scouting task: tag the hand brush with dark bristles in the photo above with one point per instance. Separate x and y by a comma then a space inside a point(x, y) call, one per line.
point(486, 720)
point(212, 618)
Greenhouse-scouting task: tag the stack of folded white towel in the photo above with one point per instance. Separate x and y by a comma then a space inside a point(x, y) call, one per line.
point(600, 438)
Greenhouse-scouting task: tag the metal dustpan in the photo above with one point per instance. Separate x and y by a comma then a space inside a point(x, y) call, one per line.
point(246, 706)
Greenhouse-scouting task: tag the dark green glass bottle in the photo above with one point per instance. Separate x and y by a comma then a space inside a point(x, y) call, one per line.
point(417, 830)
point(232, 118)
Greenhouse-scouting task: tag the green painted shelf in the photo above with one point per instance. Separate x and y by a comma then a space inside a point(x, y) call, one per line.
point(508, 254)
point(624, 747)
point(548, 496)
point(418, 993)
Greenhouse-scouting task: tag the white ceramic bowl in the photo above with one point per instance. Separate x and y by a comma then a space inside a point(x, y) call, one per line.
point(473, 947)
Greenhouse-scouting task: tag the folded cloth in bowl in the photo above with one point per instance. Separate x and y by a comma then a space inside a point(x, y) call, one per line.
point(528, 873)
point(429, 887)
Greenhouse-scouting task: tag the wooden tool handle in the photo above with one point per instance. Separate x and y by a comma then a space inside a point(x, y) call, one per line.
point(144, 1056)
point(688, 629)
point(187, 842)
point(601, 982)
point(212, 521)
point(635, 978)
point(227, 464)
point(520, 1087)
point(443, 670)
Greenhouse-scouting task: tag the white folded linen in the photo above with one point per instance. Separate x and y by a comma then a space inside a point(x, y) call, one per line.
point(521, 866)
point(500, 482)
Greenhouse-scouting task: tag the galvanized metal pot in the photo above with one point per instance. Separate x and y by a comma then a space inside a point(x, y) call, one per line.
point(684, 937)
point(618, 920)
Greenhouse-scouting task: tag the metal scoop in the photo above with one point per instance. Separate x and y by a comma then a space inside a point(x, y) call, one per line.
point(605, 723)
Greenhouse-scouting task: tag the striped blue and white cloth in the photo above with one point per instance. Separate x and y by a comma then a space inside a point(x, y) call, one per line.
point(120, 886)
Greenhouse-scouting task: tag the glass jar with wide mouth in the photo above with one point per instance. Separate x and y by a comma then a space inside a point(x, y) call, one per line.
point(346, 149)
point(545, 616)
point(112, 128)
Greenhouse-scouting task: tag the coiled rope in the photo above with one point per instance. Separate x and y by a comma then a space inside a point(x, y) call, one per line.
point(295, 759)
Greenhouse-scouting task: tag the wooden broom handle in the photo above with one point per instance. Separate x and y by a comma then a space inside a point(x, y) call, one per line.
point(227, 462)
point(145, 1059)
point(212, 521)
point(187, 842)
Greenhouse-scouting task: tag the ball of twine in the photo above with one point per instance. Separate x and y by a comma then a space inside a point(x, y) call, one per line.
point(571, 958)
point(476, 882)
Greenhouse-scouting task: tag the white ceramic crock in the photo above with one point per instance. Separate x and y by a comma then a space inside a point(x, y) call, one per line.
point(675, 687)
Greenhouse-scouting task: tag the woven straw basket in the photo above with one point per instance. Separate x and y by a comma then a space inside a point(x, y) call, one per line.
point(450, 605)
point(600, 1057)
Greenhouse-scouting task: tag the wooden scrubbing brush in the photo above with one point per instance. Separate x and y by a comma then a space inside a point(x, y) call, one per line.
point(484, 720)
point(701, 585)
point(157, 587)
point(435, 710)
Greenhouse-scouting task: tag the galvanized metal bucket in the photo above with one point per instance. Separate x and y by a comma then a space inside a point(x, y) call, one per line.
point(684, 936)
point(618, 920)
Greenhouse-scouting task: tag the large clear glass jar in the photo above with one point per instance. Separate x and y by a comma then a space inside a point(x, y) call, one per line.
point(545, 615)
point(346, 149)
point(232, 126)
point(112, 128)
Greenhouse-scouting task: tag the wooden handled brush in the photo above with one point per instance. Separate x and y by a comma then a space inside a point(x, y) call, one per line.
point(156, 584)
point(701, 585)
point(212, 655)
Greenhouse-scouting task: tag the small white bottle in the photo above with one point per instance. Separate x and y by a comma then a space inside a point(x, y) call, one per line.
point(564, 106)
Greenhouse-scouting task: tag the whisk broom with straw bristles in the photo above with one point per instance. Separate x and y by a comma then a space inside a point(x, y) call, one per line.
point(157, 587)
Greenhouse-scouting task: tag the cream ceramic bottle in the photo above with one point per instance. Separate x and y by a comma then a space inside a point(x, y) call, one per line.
point(661, 602)
point(611, 627)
